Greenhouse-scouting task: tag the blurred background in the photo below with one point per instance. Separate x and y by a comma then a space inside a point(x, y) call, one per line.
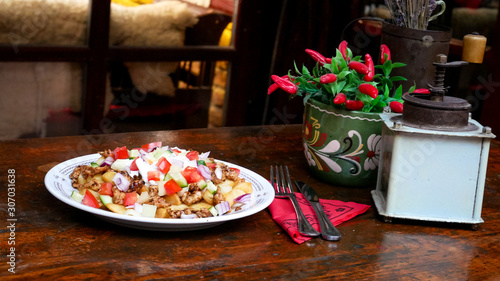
point(73, 67)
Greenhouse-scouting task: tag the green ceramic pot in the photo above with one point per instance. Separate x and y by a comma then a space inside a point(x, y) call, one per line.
point(342, 147)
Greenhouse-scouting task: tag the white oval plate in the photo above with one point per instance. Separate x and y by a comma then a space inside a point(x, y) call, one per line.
point(58, 183)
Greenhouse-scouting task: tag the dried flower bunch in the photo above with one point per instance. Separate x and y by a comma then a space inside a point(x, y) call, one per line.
point(346, 82)
point(414, 14)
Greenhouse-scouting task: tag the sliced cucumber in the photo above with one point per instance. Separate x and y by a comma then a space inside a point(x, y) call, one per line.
point(75, 195)
point(179, 179)
point(106, 199)
point(211, 187)
point(94, 165)
point(162, 152)
point(213, 211)
point(202, 184)
point(134, 153)
point(99, 161)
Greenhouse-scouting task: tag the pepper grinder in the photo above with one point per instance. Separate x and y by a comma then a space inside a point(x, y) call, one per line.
point(433, 158)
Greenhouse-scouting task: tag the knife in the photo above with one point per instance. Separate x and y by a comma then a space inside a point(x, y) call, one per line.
point(328, 231)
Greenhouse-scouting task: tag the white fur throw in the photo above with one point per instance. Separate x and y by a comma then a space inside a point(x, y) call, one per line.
point(31, 89)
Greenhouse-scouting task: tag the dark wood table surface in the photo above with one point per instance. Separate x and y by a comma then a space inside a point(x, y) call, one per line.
point(55, 241)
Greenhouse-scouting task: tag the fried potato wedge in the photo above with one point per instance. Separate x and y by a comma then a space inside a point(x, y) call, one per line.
point(116, 208)
point(98, 178)
point(81, 180)
point(245, 186)
point(172, 199)
point(200, 205)
point(178, 207)
point(108, 176)
point(233, 194)
point(162, 213)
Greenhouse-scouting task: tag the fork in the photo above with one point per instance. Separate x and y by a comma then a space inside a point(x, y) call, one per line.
point(284, 188)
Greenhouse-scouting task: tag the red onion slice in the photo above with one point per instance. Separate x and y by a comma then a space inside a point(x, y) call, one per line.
point(121, 182)
point(245, 198)
point(137, 207)
point(176, 162)
point(190, 216)
point(218, 173)
point(205, 172)
point(204, 155)
point(108, 161)
point(223, 207)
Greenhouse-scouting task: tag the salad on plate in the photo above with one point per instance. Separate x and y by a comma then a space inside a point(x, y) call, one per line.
point(160, 182)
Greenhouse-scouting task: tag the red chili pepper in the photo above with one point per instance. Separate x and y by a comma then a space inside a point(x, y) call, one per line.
point(359, 67)
point(368, 89)
point(285, 84)
point(354, 104)
point(328, 78)
point(371, 68)
point(339, 98)
point(316, 56)
point(396, 106)
point(385, 53)
point(421, 91)
point(272, 88)
point(343, 49)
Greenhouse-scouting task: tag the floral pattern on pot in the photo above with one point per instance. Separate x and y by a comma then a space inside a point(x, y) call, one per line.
point(342, 147)
point(326, 158)
point(373, 155)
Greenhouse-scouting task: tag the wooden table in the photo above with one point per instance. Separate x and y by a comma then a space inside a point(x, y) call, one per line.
point(55, 241)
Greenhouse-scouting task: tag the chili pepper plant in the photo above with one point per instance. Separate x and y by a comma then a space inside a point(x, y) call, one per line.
point(346, 81)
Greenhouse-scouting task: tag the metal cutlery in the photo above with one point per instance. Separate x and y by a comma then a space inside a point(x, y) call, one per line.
point(328, 230)
point(283, 187)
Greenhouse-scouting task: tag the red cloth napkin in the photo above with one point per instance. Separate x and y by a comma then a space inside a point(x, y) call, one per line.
point(337, 211)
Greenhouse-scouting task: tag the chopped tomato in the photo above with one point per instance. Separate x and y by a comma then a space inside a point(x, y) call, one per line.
point(106, 189)
point(133, 166)
point(130, 198)
point(176, 151)
point(172, 187)
point(192, 155)
point(120, 153)
point(235, 170)
point(211, 165)
point(163, 165)
point(151, 146)
point(191, 175)
point(89, 200)
point(153, 175)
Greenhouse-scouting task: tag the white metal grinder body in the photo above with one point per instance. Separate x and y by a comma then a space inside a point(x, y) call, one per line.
point(431, 175)
point(433, 158)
